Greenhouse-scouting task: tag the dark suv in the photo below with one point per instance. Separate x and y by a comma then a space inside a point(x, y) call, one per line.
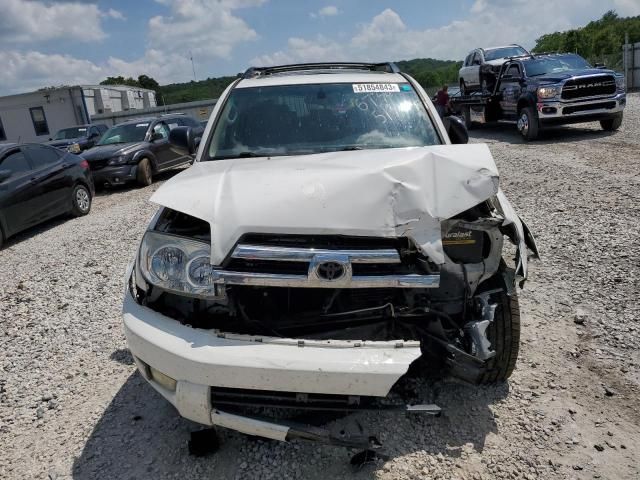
point(136, 150)
point(79, 138)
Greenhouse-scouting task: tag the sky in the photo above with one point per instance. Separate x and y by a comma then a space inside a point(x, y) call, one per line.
point(48, 42)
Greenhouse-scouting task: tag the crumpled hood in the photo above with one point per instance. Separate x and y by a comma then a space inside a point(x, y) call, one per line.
point(380, 193)
point(103, 152)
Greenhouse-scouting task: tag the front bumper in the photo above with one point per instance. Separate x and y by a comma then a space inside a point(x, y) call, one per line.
point(582, 110)
point(114, 174)
point(200, 359)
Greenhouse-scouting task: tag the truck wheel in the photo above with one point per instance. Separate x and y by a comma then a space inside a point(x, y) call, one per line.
point(528, 123)
point(611, 124)
point(144, 177)
point(80, 201)
point(504, 335)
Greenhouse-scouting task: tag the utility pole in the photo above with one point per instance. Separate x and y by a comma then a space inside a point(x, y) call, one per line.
point(193, 67)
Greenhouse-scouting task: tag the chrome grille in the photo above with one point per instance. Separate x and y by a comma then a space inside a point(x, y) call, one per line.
point(296, 266)
point(589, 87)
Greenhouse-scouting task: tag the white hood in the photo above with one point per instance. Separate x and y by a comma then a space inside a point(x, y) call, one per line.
point(379, 193)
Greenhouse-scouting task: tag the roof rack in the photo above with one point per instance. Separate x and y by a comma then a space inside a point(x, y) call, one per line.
point(255, 72)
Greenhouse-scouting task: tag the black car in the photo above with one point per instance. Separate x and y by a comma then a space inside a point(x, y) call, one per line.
point(79, 138)
point(39, 182)
point(134, 151)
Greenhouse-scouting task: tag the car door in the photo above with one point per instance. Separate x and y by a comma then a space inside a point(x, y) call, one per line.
point(16, 192)
point(159, 144)
point(472, 72)
point(93, 137)
point(510, 90)
point(50, 179)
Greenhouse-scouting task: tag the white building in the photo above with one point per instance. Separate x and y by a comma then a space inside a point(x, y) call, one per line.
point(37, 116)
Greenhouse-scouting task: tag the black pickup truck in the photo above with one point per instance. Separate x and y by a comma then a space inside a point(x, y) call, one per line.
point(535, 91)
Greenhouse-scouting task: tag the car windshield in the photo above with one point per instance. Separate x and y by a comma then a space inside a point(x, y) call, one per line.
point(555, 64)
point(307, 119)
point(69, 133)
point(505, 52)
point(131, 132)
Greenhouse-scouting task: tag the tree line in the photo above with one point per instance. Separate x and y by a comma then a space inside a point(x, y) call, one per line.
point(600, 41)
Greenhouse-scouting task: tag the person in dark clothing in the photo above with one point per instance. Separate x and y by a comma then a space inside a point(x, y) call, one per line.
point(442, 101)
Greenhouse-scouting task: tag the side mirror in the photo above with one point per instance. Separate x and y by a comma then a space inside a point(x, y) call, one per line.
point(156, 136)
point(456, 129)
point(183, 140)
point(4, 175)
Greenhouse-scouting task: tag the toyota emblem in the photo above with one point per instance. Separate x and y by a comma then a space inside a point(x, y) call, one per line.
point(330, 271)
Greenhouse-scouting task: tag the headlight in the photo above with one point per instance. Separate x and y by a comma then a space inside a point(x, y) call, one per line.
point(74, 148)
point(548, 92)
point(178, 264)
point(620, 83)
point(119, 160)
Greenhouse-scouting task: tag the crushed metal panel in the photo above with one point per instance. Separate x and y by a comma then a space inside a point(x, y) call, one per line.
point(381, 193)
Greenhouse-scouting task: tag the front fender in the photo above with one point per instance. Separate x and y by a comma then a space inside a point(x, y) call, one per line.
point(145, 154)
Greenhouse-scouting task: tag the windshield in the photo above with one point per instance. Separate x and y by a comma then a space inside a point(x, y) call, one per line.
point(306, 119)
point(131, 132)
point(69, 133)
point(555, 64)
point(505, 52)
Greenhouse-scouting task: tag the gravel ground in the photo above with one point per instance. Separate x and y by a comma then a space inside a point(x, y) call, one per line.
point(72, 406)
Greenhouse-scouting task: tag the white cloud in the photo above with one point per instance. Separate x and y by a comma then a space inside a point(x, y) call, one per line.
point(115, 14)
point(33, 21)
point(328, 11)
point(208, 30)
point(489, 22)
point(31, 70)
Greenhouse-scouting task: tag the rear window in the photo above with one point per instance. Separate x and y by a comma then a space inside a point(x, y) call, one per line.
point(505, 52)
point(307, 119)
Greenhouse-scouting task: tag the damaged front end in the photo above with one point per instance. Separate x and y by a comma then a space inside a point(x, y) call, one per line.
point(334, 319)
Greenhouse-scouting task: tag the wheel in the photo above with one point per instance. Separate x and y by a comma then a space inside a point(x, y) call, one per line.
point(144, 177)
point(80, 201)
point(504, 335)
point(611, 124)
point(463, 87)
point(528, 123)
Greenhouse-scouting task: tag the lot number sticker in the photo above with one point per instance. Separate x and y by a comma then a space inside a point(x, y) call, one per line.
point(375, 87)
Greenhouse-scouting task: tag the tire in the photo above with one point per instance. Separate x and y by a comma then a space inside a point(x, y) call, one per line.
point(528, 123)
point(504, 335)
point(611, 124)
point(80, 200)
point(144, 176)
point(463, 88)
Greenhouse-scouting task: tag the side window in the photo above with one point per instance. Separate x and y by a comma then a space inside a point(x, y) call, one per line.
point(39, 121)
point(42, 156)
point(476, 59)
point(15, 162)
point(467, 61)
point(173, 123)
point(162, 129)
point(513, 71)
point(3, 135)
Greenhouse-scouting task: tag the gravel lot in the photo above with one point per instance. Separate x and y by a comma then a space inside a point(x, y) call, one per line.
point(72, 406)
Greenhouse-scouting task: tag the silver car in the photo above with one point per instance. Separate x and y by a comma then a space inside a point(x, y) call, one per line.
point(482, 65)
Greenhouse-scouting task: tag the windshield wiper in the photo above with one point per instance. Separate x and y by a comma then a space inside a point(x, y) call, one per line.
point(246, 155)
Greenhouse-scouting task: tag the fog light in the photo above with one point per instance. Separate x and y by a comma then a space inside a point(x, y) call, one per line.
point(165, 381)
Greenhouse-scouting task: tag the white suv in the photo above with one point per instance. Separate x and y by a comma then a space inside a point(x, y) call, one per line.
point(329, 242)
